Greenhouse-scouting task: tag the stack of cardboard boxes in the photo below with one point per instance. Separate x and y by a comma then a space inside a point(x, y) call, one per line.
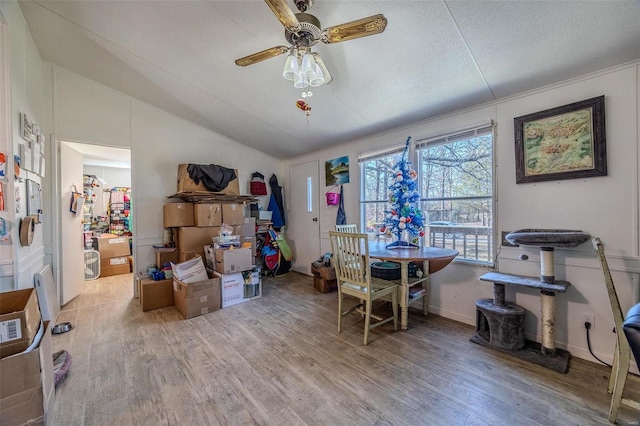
point(194, 227)
point(240, 279)
point(26, 388)
point(324, 278)
point(114, 254)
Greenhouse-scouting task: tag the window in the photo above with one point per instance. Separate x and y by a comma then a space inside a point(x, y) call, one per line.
point(376, 175)
point(455, 180)
point(456, 183)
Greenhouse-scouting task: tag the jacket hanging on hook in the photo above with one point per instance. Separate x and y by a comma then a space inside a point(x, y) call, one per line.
point(276, 204)
point(341, 217)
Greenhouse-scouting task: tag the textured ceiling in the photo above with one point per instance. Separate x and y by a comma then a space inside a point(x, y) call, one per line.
point(434, 57)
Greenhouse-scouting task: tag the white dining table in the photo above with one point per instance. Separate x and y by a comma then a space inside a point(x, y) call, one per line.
point(433, 259)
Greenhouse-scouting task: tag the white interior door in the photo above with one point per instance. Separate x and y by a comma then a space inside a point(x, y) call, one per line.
point(71, 244)
point(304, 223)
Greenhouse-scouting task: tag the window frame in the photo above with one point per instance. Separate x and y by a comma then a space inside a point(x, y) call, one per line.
point(362, 159)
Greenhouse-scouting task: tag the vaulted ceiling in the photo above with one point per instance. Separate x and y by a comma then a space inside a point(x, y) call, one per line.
point(434, 57)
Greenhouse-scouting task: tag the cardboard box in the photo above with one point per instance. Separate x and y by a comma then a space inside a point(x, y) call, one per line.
point(193, 238)
point(207, 214)
point(197, 298)
point(233, 214)
point(114, 270)
point(155, 294)
point(139, 276)
point(186, 184)
point(183, 256)
point(19, 320)
point(113, 261)
point(326, 272)
point(240, 287)
point(112, 246)
point(324, 285)
point(177, 214)
point(114, 266)
point(232, 289)
point(229, 261)
point(164, 256)
point(190, 271)
point(27, 389)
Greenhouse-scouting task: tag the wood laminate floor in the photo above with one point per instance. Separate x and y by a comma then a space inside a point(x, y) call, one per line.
point(279, 360)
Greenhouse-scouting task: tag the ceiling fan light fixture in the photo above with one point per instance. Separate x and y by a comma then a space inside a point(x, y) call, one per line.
point(300, 81)
point(318, 77)
point(308, 67)
point(291, 66)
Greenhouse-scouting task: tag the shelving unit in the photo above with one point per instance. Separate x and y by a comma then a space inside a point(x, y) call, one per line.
point(89, 184)
point(118, 211)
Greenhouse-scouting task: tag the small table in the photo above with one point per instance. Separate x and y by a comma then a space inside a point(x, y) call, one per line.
point(432, 258)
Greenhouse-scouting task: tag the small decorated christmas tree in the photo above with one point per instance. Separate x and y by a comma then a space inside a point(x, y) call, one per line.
point(403, 220)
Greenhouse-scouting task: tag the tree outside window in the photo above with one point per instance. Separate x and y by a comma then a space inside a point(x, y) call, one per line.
point(456, 184)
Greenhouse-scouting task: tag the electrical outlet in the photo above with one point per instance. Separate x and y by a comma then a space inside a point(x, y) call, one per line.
point(505, 242)
point(590, 318)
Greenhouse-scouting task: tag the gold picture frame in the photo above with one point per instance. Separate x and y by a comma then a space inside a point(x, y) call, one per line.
point(566, 142)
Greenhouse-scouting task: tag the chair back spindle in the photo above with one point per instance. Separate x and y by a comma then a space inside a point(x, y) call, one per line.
point(351, 228)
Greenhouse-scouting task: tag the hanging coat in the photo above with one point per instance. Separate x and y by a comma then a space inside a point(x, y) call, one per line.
point(276, 216)
point(341, 217)
point(276, 193)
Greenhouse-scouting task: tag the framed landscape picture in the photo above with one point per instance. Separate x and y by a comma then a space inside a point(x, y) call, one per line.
point(337, 171)
point(565, 142)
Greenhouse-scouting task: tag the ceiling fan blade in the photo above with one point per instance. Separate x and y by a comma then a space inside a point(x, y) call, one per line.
point(261, 56)
point(361, 28)
point(284, 14)
point(325, 72)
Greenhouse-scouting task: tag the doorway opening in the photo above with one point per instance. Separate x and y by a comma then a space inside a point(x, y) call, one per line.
point(100, 177)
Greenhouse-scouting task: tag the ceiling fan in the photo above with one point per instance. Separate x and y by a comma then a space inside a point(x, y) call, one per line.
point(302, 31)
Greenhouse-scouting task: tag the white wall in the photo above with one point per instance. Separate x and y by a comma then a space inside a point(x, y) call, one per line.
point(18, 263)
point(606, 207)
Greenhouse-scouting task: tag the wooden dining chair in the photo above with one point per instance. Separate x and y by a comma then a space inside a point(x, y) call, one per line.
point(353, 273)
point(622, 354)
point(351, 228)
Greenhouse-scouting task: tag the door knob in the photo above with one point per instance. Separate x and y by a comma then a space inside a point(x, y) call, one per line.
point(315, 219)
